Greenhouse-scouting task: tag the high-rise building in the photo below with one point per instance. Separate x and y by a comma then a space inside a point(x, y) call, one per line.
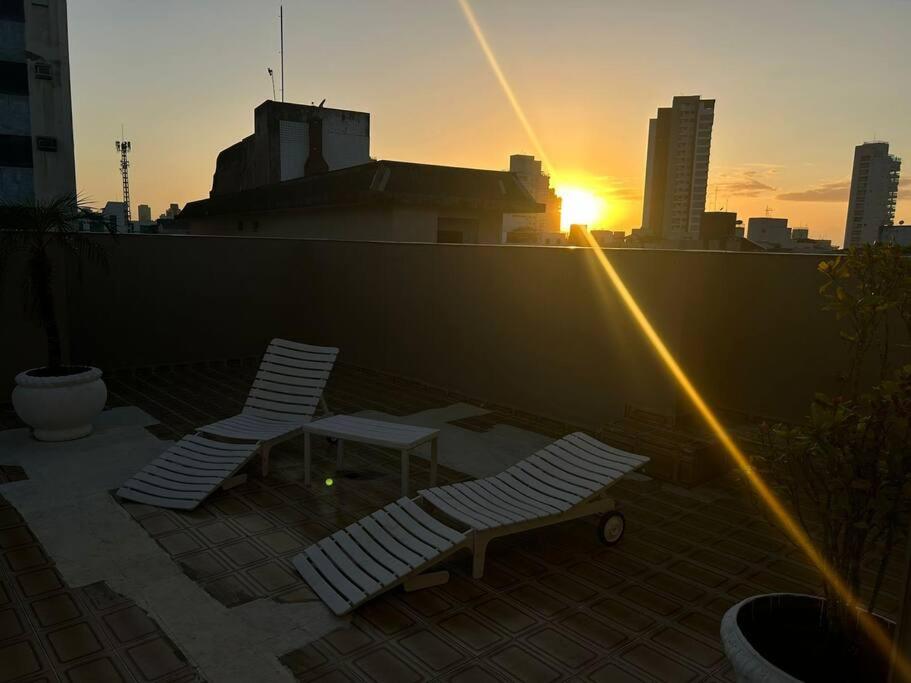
point(529, 172)
point(677, 168)
point(874, 187)
point(145, 213)
point(36, 118)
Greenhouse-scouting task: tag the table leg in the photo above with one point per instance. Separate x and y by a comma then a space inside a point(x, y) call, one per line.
point(340, 453)
point(433, 463)
point(307, 459)
point(404, 474)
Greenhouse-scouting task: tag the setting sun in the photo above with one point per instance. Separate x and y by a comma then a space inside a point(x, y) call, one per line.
point(580, 206)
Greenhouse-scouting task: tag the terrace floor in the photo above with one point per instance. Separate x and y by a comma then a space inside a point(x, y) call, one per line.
point(554, 605)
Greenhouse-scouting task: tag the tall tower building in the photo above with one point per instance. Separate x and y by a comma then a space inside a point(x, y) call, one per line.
point(677, 168)
point(36, 117)
point(874, 187)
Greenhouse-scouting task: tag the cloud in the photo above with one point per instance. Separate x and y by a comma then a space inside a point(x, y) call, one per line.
point(747, 180)
point(617, 188)
point(834, 191)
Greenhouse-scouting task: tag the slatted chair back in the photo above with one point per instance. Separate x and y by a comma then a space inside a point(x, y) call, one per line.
point(290, 382)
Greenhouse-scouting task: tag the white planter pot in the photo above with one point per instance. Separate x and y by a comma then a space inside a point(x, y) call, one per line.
point(749, 666)
point(59, 408)
point(788, 625)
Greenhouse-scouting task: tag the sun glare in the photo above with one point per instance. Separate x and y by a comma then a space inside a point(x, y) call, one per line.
point(580, 206)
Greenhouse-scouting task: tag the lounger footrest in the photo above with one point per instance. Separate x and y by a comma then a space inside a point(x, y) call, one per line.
point(380, 551)
point(187, 473)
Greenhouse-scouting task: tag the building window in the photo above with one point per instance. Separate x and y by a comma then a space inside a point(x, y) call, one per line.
point(12, 10)
point(43, 71)
point(13, 78)
point(46, 144)
point(16, 151)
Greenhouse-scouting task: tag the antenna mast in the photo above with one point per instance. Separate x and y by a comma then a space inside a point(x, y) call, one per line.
point(124, 147)
point(281, 37)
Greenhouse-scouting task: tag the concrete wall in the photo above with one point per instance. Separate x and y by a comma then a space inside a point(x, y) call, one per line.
point(469, 318)
point(373, 222)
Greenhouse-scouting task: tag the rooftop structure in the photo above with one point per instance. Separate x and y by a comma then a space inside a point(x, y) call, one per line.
point(36, 146)
point(380, 200)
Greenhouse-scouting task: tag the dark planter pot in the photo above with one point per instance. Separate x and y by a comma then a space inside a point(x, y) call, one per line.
point(778, 638)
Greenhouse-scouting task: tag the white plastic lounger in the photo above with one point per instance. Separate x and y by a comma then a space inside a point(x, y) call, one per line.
point(565, 480)
point(390, 547)
point(285, 394)
point(393, 546)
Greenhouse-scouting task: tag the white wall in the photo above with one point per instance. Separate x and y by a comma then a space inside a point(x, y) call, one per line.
point(346, 142)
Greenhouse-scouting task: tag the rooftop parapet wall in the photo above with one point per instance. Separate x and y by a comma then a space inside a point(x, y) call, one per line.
point(540, 329)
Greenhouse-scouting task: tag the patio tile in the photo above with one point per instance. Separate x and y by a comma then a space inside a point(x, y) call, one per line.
point(471, 631)
point(55, 610)
point(347, 640)
point(129, 624)
point(272, 577)
point(520, 663)
point(11, 625)
point(596, 631)
point(155, 658)
point(474, 673)
point(383, 615)
point(430, 650)
point(704, 655)
point(611, 673)
point(38, 582)
point(643, 597)
point(626, 616)
point(15, 536)
point(537, 600)
point(659, 665)
point(101, 670)
point(568, 652)
point(19, 660)
point(505, 615)
point(385, 666)
point(217, 533)
point(74, 642)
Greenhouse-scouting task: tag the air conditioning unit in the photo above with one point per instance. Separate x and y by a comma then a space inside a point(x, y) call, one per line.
point(43, 71)
point(46, 144)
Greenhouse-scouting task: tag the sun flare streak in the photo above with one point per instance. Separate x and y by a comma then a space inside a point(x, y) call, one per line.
point(504, 84)
point(902, 667)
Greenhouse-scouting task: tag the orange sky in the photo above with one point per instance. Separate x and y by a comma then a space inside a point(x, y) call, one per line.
point(797, 86)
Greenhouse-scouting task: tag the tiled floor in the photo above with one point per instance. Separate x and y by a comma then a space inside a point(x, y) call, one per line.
point(555, 604)
point(52, 632)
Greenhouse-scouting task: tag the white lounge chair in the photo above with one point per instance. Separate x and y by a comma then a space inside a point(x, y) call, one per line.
point(566, 480)
point(285, 394)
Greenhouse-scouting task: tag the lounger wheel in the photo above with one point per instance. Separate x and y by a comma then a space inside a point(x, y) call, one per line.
point(611, 528)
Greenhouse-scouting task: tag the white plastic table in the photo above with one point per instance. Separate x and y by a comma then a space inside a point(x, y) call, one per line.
point(403, 438)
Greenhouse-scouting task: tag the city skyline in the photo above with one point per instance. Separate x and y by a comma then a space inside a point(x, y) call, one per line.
point(785, 142)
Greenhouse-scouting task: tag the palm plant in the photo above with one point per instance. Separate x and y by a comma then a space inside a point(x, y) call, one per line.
point(36, 231)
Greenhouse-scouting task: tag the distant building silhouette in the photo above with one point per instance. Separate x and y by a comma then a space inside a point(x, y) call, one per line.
point(145, 213)
point(677, 167)
point(768, 231)
point(773, 234)
point(292, 141)
point(528, 171)
point(874, 188)
point(307, 172)
point(36, 115)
